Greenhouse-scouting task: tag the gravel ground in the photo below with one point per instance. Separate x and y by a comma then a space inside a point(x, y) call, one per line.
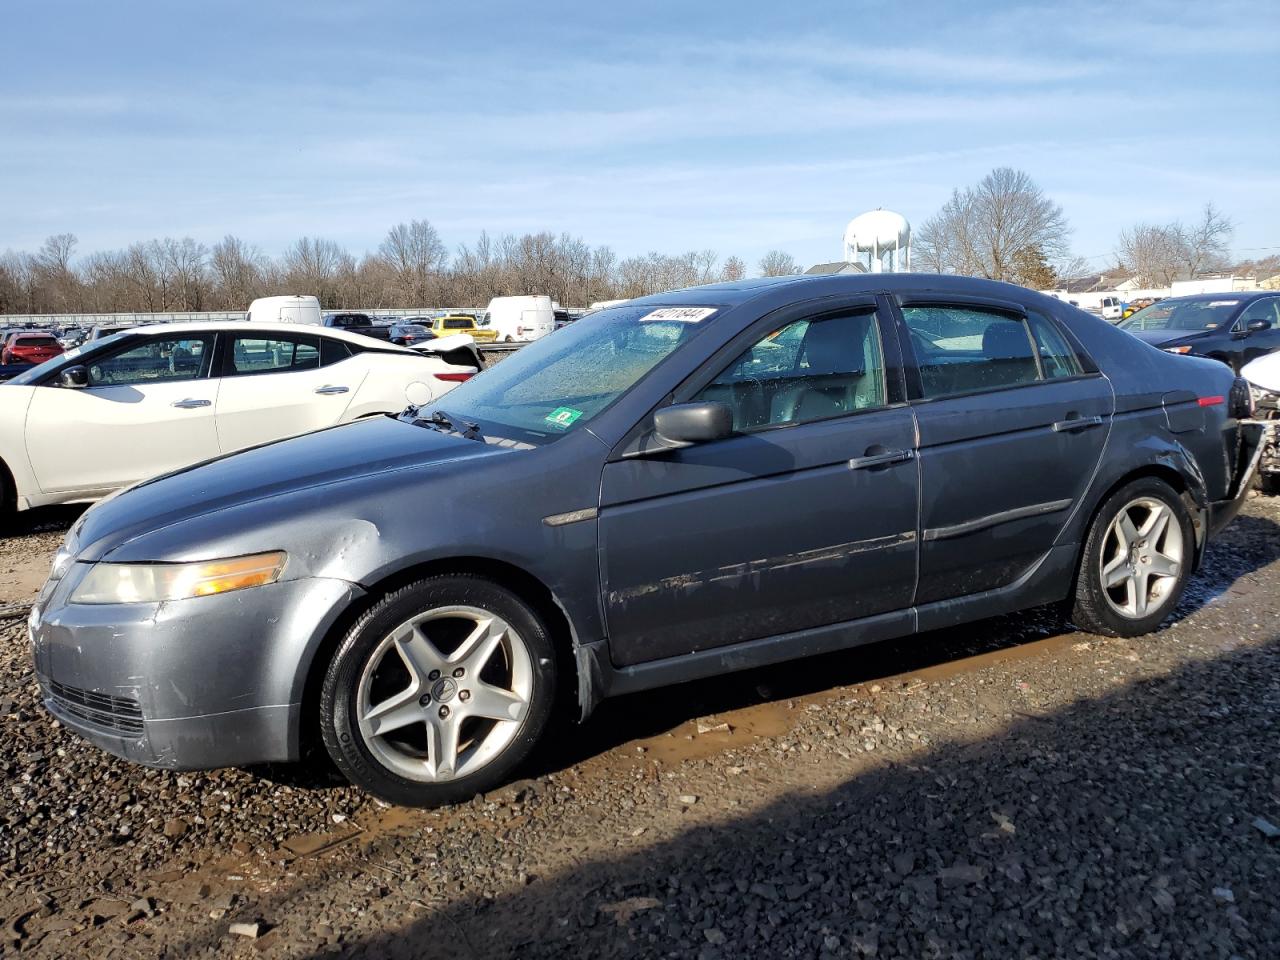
point(1011, 788)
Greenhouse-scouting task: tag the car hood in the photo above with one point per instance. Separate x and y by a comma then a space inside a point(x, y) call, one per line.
point(378, 446)
point(1158, 338)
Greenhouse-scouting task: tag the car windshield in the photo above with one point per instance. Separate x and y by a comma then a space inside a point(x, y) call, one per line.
point(1183, 315)
point(561, 381)
point(39, 370)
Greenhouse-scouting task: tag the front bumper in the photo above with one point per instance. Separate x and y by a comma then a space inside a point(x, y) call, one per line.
point(185, 685)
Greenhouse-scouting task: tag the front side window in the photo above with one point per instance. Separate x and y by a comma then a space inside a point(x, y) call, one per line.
point(250, 355)
point(966, 349)
point(810, 369)
point(153, 361)
point(1267, 309)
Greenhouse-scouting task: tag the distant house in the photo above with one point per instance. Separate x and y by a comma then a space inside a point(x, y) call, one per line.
point(840, 266)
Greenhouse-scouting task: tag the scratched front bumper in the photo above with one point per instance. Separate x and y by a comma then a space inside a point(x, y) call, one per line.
point(192, 684)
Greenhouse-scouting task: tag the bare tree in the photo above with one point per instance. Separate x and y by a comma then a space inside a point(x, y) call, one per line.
point(775, 263)
point(733, 269)
point(1152, 253)
point(416, 256)
point(1206, 242)
point(237, 271)
point(992, 228)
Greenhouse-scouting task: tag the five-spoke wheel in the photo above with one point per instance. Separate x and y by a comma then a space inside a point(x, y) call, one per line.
point(438, 691)
point(1136, 561)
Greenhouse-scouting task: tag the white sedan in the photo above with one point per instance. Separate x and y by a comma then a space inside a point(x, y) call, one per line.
point(152, 399)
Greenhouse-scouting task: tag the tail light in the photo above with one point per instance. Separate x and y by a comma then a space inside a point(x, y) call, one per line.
point(453, 377)
point(1242, 406)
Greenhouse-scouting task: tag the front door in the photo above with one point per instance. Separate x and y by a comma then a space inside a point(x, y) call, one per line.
point(1012, 424)
point(805, 517)
point(148, 409)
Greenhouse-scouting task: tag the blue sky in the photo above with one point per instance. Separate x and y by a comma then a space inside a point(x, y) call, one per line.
point(663, 126)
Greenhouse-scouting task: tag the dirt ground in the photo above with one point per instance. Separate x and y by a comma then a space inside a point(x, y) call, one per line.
point(1012, 788)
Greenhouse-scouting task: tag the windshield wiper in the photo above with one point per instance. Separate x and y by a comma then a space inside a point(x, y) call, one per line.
point(464, 428)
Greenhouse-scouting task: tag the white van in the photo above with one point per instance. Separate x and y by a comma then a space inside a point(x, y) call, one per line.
point(1111, 309)
point(519, 318)
point(284, 310)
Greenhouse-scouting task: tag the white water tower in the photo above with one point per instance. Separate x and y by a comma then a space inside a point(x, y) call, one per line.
point(879, 241)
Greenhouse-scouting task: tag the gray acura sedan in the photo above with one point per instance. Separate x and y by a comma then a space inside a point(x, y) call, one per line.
point(678, 486)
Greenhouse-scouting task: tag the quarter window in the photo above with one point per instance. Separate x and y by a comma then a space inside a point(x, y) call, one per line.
point(153, 361)
point(250, 355)
point(968, 349)
point(811, 369)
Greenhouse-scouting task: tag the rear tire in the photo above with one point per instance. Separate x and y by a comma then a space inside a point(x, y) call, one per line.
point(1136, 561)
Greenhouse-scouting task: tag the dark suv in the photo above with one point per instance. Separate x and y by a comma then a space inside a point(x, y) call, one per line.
point(1231, 327)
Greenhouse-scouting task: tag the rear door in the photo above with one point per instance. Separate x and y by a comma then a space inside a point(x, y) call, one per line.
point(278, 385)
point(148, 409)
point(805, 517)
point(1012, 418)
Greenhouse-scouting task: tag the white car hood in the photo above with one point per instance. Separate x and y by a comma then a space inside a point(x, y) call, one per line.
point(1264, 372)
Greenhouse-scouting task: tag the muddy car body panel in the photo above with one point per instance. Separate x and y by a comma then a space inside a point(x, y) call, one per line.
point(663, 565)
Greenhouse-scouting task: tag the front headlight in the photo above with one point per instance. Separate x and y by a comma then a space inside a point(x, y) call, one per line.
point(1185, 349)
point(155, 582)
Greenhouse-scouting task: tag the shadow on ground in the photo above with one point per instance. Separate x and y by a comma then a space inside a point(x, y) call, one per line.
point(1119, 826)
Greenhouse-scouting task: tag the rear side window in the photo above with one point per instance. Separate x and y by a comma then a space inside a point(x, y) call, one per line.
point(332, 351)
point(1057, 359)
point(251, 355)
point(971, 349)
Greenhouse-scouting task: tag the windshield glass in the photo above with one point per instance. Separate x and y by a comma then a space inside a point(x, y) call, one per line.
point(40, 369)
point(558, 383)
point(1183, 315)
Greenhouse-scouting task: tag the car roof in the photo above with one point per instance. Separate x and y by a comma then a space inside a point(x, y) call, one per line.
point(741, 291)
point(237, 326)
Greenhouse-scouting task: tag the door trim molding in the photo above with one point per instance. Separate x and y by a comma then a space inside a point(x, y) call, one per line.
point(995, 519)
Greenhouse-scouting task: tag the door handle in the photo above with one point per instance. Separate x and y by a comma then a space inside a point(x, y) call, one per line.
point(326, 390)
point(191, 403)
point(1076, 423)
point(880, 459)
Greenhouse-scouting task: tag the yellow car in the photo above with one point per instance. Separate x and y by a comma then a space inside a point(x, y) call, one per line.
point(456, 323)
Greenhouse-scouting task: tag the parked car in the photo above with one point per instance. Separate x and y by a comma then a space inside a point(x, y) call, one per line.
point(456, 323)
point(521, 318)
point(1263, 375)
point(1110, 308)
point(357, 323)
point(648, 497)
point(407, 334)
point(103, 331)
point(161, 397)
point(1233, 328)
point(284, 309)
point(29, 347)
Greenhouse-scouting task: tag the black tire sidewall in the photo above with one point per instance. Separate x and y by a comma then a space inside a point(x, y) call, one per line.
point(1092, 611)
point(338, 725)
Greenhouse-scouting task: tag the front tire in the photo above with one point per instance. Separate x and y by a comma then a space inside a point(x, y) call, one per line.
point(1136, 561)
point(439, 692)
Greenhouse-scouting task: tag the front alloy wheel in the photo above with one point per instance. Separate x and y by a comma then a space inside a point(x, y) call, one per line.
point(438, 692)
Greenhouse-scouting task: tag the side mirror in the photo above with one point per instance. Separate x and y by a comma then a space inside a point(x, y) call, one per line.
point(685, 424)
point(1256, 326)
point(74, 377)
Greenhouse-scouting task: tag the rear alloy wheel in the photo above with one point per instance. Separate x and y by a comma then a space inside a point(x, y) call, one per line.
point(438, 692)
point(1136, 562)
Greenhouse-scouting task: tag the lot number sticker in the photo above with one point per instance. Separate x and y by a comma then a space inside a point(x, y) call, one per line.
point(563, 416)
point(679, 314)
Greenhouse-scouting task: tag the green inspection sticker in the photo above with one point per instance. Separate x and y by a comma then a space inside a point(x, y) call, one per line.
point(563, 416)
